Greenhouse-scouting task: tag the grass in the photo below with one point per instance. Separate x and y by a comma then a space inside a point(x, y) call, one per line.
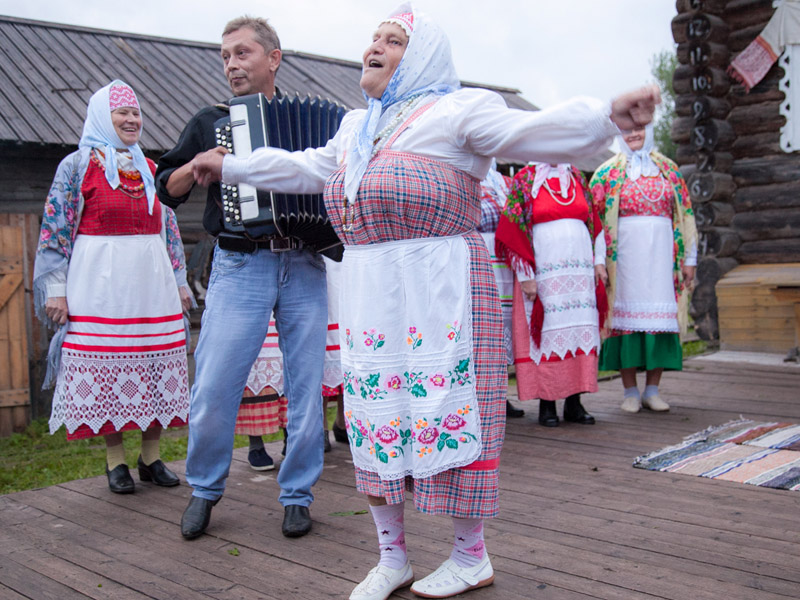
point(34, 458)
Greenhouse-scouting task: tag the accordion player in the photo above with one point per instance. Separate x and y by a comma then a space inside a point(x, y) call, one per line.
point(290, 123)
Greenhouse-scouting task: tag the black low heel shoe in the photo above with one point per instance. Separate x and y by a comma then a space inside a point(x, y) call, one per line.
point(340, 434)
point(157, 472)
point(512, 412)
point(547, 413)
point(196, 517)
point(120, 480)
point(575, 413)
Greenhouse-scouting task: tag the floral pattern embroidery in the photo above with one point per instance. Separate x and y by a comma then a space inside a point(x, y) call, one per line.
point(374, 339)
point(390, 441)
point(567, 263)
point(414, 338)
point(455, 331)
point(348, 339)
point(460, 374)
point(414, 384)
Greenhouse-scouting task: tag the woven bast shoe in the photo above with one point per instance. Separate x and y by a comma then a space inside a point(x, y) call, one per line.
point(450, 579)
point(381, 581)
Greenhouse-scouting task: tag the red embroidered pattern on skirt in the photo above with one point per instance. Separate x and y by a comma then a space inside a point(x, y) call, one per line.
point(113, 212)
point(432, 199)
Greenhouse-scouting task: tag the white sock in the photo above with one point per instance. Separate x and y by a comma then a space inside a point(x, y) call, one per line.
point(391, 534)
point(468, 546)
point(632, 392)
point(650, 390)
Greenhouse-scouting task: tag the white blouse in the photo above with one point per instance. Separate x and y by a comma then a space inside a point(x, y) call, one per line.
point(465, 129)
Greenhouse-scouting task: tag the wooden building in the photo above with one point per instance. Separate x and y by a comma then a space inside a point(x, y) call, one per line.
point(743, 175)
point(48, 72)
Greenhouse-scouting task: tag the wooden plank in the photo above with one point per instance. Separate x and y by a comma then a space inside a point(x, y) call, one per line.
point(8, 285)
point(18, 397)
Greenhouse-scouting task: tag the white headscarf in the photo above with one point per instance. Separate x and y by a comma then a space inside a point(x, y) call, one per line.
point(99, 132)
point(639, 162)
point(545, 171)
point(426, 67)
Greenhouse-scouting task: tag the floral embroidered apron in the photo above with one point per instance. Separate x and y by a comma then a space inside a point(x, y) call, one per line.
point(406, 315)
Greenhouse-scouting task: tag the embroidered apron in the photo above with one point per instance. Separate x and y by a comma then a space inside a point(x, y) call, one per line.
point(406, 315)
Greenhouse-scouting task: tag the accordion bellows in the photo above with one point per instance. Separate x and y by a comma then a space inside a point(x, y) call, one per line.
point(291, 123)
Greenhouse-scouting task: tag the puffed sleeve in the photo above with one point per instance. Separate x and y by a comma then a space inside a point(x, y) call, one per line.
point(564, 133)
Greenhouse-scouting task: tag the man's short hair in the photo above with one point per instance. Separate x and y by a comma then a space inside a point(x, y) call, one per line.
point(265, 33)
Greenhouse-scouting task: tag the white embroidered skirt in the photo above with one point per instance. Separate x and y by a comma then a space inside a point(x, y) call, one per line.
point(406, 336)
point(124, 355)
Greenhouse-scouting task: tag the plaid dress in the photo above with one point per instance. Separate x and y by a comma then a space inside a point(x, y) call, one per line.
point(404, 197)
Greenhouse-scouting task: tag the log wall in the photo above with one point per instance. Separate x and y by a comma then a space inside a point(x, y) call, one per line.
point(745, 190)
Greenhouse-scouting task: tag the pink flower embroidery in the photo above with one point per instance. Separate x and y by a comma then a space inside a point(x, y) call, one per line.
point(394, 383)
point(428, 436)
point(437, 380)
point(451, 335)
point(386, 434)
point(412, 330)
point(453, 422)
point(368, 342)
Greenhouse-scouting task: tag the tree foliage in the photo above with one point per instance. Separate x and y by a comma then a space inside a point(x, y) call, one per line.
point(662, 67)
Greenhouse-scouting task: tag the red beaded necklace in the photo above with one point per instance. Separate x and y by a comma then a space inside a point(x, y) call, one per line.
point(134, 191)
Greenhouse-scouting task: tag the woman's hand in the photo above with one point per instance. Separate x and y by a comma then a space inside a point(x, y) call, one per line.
point(600, 274)
point(529, 288)
point(635, 109)
point(688, 276)
point(207, 166)
point(56, 309)
point(186, 299)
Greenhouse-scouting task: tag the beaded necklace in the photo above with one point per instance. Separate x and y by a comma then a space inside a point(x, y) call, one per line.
point(569, 185)
point(134, 191)
point(399, 117)
point(659, 196)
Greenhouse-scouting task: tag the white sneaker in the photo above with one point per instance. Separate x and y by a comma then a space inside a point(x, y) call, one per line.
point(450, 579)
point(381, 581)
point(631, 404)
point(655, 403)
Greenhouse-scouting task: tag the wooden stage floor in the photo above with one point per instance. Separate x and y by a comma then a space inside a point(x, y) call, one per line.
point(576, 521)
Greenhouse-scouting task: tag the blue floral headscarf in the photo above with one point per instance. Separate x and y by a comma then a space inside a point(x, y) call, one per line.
point(99, 132)
point(426, 67)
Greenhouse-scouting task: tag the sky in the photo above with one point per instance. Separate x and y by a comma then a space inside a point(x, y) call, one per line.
point(551, 50)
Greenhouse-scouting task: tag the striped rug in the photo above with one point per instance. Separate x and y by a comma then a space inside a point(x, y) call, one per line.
point(759, 453)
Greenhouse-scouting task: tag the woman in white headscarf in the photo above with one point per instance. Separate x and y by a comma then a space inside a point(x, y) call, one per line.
point(110, 277)
point(546, 235)
point(650, 250)
point(420, 323)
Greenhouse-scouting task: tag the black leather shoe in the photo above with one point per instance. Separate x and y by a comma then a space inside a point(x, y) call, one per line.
point(547, 413)
point(340, 434)
point(513, 413)
point(327, 442)
point(574, 411)
point(196, 517)
point(296, 520)
point(285, 436)
point(120, 480)
point(157, 472)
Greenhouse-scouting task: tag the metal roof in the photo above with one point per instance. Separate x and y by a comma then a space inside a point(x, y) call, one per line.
point(48, 72)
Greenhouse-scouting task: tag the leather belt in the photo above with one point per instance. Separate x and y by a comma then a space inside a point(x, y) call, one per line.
point(248, 246)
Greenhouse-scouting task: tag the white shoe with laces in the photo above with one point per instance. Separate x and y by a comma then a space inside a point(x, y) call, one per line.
point(655, 403)
point(450, 579)
point(381, 581)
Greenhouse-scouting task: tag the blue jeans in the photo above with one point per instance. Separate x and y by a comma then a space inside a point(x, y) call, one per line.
point(243, 290)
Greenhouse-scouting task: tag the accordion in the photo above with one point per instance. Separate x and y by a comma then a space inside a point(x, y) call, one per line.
point(291, 123)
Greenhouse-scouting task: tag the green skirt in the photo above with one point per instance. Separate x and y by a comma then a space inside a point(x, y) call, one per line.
point(641, 350)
